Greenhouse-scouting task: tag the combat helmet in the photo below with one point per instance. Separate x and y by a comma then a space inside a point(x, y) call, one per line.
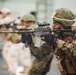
point(64, 16)
point(28, 17)
point(5, 10)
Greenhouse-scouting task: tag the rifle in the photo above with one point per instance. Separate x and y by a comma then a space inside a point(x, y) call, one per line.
point(39, 29)
point(42, 29)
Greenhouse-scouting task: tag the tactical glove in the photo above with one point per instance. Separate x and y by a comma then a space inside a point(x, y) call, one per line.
point(26, 38)
point(50, 39)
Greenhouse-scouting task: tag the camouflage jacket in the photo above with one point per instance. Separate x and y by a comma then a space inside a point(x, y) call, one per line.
point(65, 48)
point(62, 48)
point(45, 51)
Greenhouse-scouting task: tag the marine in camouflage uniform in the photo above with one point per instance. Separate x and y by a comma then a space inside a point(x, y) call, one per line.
point(43, 57)
point(6, 18)
point(65, 43)
point(65, 50)
point(15, 50)
point(63, 46)
point(28, 21)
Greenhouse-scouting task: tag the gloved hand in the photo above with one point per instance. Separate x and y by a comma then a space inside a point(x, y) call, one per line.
point(50, 39)
point(26, 38)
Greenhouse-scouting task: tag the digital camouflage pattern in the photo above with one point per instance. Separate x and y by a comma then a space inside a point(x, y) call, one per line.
point(65, 14)
point(15, 38)
point(42, 62)
point(66, 59)
point(28, 17)
point(63, 51)
point(74, 43)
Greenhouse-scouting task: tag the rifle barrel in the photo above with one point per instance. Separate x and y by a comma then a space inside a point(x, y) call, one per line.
point(37, 30)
